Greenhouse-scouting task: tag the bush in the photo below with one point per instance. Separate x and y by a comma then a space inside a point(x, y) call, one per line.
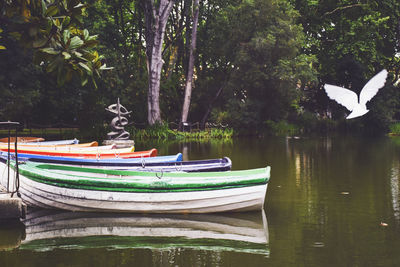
point(162, 131)
point(395, 129)
point(282, 128)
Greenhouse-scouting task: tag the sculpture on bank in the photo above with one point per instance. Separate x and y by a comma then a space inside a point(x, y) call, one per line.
point(119, 122)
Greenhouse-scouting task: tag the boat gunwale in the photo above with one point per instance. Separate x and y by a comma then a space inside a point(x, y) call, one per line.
point(147, 161)
point(143, 182)
point(100, 155)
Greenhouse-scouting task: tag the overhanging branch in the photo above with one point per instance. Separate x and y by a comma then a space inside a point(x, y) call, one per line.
point(342, 8)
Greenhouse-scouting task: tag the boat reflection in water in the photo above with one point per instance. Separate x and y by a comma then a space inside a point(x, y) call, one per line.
point(237, 232)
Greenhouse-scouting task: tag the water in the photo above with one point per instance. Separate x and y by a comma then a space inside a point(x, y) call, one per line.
point(330, 202)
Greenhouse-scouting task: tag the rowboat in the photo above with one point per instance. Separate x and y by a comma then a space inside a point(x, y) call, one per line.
point(48, 230)
point(55, 143)
point(64, 148)
point(21, 139)
point(172, 163)
point(102, 190)
point(151, 164)
point(146, 161)
point(69, 149)
point(114, 153)
point(45, 144)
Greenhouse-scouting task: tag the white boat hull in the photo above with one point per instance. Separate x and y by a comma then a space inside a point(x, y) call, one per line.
point(235, 199)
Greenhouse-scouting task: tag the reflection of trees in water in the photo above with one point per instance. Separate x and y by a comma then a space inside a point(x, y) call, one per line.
point(181, 257)
point(338, 187)
point(394, 188)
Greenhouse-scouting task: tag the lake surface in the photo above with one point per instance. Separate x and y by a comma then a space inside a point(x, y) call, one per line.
point(331, 201)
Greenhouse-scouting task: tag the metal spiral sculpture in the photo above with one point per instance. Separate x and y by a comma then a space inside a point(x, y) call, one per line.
point(117, 124)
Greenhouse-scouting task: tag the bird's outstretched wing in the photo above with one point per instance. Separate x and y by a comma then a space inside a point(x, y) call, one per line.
point(372, 87)
point(343, 96)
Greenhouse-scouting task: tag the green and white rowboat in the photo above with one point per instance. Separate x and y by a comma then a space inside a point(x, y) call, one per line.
point(92, 189)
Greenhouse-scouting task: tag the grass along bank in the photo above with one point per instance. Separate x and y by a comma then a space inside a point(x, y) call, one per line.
point(394, 129)
point(162, 131)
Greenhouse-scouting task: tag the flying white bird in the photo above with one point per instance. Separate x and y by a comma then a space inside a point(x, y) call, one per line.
point(349, 99)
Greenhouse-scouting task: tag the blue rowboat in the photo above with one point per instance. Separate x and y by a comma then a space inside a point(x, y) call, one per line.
point(172, 163)
point(94, 162)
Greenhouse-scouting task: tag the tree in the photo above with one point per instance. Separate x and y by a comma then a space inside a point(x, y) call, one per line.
point(120, 29)
point(51, 30)
point(30, 97)
point(253, 50)
point(189, 77)
point(156, 16)
point(353, 42)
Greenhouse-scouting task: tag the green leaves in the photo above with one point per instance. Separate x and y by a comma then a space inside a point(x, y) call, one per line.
point(51, 11)
point(75, 42)
point(66, 55)
point(86, 68)
point(258, 44)
point(50, 51)
point(52, 29)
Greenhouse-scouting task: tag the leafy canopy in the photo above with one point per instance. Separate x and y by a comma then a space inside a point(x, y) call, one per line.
point(52, 29)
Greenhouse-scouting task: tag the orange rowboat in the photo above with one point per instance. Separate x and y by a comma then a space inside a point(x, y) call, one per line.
point(100, 155)
point(71, 149)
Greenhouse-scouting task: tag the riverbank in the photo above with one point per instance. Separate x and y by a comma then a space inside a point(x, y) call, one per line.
point(166, 131)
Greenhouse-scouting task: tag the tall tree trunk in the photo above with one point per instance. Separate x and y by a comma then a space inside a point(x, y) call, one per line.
point(156, 16)
point(189, 78)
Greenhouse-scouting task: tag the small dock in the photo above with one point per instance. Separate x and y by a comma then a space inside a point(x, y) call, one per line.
point(11, 207)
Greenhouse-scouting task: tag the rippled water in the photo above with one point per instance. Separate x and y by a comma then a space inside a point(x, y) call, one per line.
point(331, 201)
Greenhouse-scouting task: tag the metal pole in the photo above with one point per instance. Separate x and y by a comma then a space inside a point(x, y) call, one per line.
point(16, 164)
point(9, 124)
point(8, 160)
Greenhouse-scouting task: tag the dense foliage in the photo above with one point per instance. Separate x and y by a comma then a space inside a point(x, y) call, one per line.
point(259, 63)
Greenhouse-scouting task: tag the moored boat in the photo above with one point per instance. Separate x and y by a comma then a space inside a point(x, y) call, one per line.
point(93, 189)
point(81, 161)
point(44, 146)
point(113, 153)
point(208, 165)
point(56, 142)
point(21, 139)
point(68, 149)
point(49, 144)
point(172, 163)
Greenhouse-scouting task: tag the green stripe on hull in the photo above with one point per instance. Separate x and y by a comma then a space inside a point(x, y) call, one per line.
point(139, 190)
